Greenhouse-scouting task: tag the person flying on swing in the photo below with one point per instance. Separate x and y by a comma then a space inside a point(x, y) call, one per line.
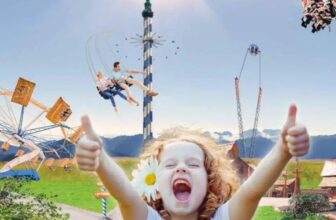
point(105, 88)
point(119, 76)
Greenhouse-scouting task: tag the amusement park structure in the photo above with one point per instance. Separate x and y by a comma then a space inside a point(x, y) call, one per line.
point(248, 151)
point(37, 131)
point(147, 14)
point(148, 40)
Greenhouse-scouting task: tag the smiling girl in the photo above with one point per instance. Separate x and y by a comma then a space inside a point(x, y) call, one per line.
point(196, 180)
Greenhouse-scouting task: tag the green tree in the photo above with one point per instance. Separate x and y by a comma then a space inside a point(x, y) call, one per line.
point(305, 206)
point(17, 203)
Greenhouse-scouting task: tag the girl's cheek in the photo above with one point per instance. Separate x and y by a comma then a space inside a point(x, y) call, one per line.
point(199, 174)
point(165, 174)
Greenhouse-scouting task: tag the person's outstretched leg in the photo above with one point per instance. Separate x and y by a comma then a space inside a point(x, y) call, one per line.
point(126, 88)
point(108, 94)
point(141, 86)
point(128, 93)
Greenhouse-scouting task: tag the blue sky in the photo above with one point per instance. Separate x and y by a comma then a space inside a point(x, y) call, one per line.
point(44, 41)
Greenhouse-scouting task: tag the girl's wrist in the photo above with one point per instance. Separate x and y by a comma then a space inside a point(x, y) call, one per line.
point(103, 157)
point(282, 150)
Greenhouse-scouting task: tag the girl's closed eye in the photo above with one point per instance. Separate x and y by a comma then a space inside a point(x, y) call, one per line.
point(194, 165)
point(170, 165)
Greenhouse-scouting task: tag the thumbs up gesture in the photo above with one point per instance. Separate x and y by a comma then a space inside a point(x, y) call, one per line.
point(89, 148)
point(294, 140)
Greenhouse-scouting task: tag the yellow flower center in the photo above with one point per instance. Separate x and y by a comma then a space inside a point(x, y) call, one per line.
point(150, 179)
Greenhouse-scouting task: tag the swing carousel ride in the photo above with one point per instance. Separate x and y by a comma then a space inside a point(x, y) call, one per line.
point(103, 49)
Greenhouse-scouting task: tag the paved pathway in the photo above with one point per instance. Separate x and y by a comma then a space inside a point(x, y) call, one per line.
point(274, 202)
point(79, 214)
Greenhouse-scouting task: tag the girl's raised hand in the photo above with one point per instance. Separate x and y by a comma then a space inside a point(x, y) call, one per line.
point(89, 148)
point(294, 139)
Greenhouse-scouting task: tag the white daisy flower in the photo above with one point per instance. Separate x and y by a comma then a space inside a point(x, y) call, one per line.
point(145, 178)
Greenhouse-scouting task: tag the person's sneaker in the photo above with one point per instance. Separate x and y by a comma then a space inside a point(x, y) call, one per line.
point(152, 93)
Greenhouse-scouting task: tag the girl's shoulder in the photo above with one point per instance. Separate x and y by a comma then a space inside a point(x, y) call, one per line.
point(152, 214)
point(222, 213)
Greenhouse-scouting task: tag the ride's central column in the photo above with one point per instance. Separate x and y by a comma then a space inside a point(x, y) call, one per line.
point(147, 14)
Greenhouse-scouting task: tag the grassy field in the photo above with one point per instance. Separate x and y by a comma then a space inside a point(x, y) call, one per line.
point(76, 188)
point(266, 213)
point(310, 171)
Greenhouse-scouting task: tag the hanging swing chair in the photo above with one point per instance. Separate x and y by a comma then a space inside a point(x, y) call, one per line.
point(112, 91)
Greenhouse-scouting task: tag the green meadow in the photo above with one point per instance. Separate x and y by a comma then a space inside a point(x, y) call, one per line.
point(310, 171)
point(74, 188)
point(266, 213)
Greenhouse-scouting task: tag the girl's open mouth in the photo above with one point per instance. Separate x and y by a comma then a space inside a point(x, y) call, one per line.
point(181, 189)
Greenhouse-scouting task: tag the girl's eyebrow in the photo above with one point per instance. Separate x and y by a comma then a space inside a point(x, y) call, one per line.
point(194, 159)
point(169, 160)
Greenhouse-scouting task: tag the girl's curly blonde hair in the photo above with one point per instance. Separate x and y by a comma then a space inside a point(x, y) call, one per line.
point(222, 178)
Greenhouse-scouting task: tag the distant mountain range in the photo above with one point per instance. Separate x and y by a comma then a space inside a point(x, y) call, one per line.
point(322, 146)
point(58, 146)
point(120, 146)
point(124, 146)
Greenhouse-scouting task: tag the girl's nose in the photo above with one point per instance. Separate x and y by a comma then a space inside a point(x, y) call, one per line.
point(181, 170)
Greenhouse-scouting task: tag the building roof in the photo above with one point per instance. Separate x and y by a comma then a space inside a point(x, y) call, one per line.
point(329, 168)
point(328, 182)
point(282, 182)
